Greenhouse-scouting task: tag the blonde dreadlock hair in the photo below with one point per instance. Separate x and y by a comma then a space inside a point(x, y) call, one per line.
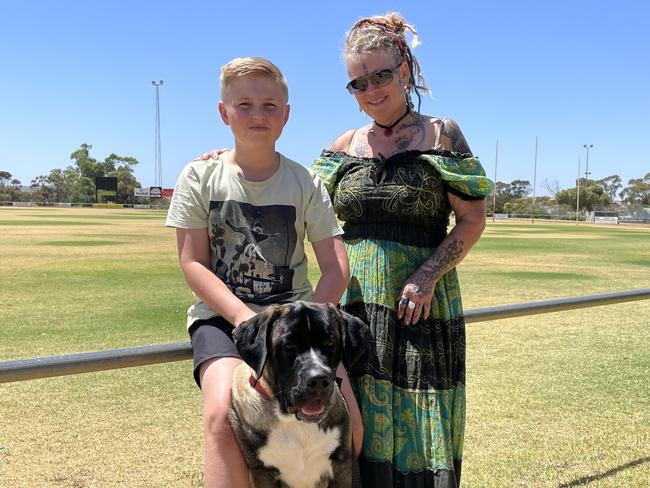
point(388, 32)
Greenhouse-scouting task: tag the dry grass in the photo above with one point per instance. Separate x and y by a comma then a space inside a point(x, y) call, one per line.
point(554, 400)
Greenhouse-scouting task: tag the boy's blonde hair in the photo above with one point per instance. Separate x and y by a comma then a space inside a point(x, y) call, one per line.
point(251, 66)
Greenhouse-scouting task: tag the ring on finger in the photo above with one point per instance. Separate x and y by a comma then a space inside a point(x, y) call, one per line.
point(411, 305)
point(404, 300)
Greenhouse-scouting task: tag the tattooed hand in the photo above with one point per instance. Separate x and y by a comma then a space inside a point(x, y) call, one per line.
point(415, 300)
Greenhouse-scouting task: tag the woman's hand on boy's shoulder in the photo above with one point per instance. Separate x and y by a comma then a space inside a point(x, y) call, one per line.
point(211, 155)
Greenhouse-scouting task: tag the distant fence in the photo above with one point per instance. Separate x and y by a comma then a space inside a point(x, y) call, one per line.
point(163, 206)
point(634, 218)
point(622, 217)
point(28, 369)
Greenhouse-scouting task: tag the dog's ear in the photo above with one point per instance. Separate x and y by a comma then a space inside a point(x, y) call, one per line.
point(354, 335)
point(253, 339)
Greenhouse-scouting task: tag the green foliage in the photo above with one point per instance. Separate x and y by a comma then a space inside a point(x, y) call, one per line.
point(612, 185)
point(9, 187)
point(76, 183)
point(637, 191)
point(126, 183)
point(592, 196)
point(510, 193)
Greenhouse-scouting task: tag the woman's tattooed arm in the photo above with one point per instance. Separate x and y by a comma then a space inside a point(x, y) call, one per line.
point(419, 287)
point(446, 257)
point(452, 139)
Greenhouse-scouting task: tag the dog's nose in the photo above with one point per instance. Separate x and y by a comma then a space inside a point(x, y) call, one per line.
point(318, 382)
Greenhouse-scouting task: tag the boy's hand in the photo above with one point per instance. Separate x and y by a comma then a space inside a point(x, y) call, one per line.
point(214, 154)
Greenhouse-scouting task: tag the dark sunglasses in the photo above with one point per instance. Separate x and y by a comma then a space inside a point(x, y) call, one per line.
point(381, 77)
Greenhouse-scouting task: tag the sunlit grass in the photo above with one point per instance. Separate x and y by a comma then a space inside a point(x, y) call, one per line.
point(552, 399)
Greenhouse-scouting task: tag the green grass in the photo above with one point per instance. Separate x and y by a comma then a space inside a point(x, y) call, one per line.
point(553, 400)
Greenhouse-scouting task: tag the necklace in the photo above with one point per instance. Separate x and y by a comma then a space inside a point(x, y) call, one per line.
point(388, 129)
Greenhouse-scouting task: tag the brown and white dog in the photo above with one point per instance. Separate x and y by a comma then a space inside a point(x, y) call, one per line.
point(287, 411)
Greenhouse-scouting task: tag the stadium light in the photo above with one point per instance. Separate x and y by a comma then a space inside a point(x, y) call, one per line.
point(578, 193)
point(494, 193)
point(157, 152)
point(587, 173)
point(534, 179)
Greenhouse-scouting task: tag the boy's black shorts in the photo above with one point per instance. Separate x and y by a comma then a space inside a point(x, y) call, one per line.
point(211, 338)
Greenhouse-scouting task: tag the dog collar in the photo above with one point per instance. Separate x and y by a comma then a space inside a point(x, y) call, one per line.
point(255, 383)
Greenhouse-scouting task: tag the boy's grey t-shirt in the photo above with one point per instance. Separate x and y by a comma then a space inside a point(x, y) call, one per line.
point(256, 228)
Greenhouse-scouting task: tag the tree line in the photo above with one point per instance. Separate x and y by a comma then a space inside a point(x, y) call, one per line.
point(75, 183)
point(608, 193)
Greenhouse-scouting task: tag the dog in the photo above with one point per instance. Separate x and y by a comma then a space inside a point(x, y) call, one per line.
point(286, 409)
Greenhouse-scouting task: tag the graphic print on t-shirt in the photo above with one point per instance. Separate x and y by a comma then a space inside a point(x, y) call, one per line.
point(254, 245)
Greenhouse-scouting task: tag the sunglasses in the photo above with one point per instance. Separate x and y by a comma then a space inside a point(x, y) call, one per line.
point(381, 77)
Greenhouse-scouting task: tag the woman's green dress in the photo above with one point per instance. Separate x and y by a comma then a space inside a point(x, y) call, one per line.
point(411, 383)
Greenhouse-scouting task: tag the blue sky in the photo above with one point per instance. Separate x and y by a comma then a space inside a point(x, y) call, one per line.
point(568, 72)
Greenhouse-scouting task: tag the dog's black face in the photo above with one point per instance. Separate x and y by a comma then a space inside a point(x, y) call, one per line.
point(297, 348)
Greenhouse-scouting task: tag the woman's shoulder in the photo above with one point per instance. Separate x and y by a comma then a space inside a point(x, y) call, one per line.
point(445, 135)
point(342, 142)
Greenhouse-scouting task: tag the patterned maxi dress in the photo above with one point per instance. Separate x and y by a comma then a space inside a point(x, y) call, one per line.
point(411, 384)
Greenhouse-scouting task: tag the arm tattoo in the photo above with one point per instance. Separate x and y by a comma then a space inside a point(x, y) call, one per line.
point(455, 139)
point(442, 261)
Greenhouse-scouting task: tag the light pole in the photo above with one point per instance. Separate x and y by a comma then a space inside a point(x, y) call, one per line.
point(587, 173)
point(534, 179)
point(494, 193)
point(578, 193)
point(157, 152)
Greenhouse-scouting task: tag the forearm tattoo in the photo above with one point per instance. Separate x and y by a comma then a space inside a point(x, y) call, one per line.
point(442, 261)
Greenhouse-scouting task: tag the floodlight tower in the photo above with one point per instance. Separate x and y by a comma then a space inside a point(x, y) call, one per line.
point(587, 173)
point(157, 152)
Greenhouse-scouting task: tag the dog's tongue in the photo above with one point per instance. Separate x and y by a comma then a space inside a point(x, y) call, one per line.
point(315, 407)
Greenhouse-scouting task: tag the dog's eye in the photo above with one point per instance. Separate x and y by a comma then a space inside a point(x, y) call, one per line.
point(329, 342)
point(288, 347)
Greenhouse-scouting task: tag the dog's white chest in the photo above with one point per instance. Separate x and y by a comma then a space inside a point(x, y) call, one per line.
point(300, 451)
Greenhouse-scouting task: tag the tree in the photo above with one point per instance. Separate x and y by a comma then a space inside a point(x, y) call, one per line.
point(520, 188)
point(592, 196)
point(83, 190)
point(85, 165)
point(553, 187)
point(637, 191)
point(88, 169)
point(76, 183)
point(44, 191)
point(126, 183)
point(9, 187)
point(611, 184)
point(509, 193)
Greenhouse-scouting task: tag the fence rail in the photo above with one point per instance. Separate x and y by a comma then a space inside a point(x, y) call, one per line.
point(88, 362)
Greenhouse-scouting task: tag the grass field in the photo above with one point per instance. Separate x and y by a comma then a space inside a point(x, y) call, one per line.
point(555, 400)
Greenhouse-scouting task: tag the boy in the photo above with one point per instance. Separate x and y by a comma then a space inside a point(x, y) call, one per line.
point(241, 220)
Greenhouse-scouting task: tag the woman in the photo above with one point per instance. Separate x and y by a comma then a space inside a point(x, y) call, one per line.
point(394, 183)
